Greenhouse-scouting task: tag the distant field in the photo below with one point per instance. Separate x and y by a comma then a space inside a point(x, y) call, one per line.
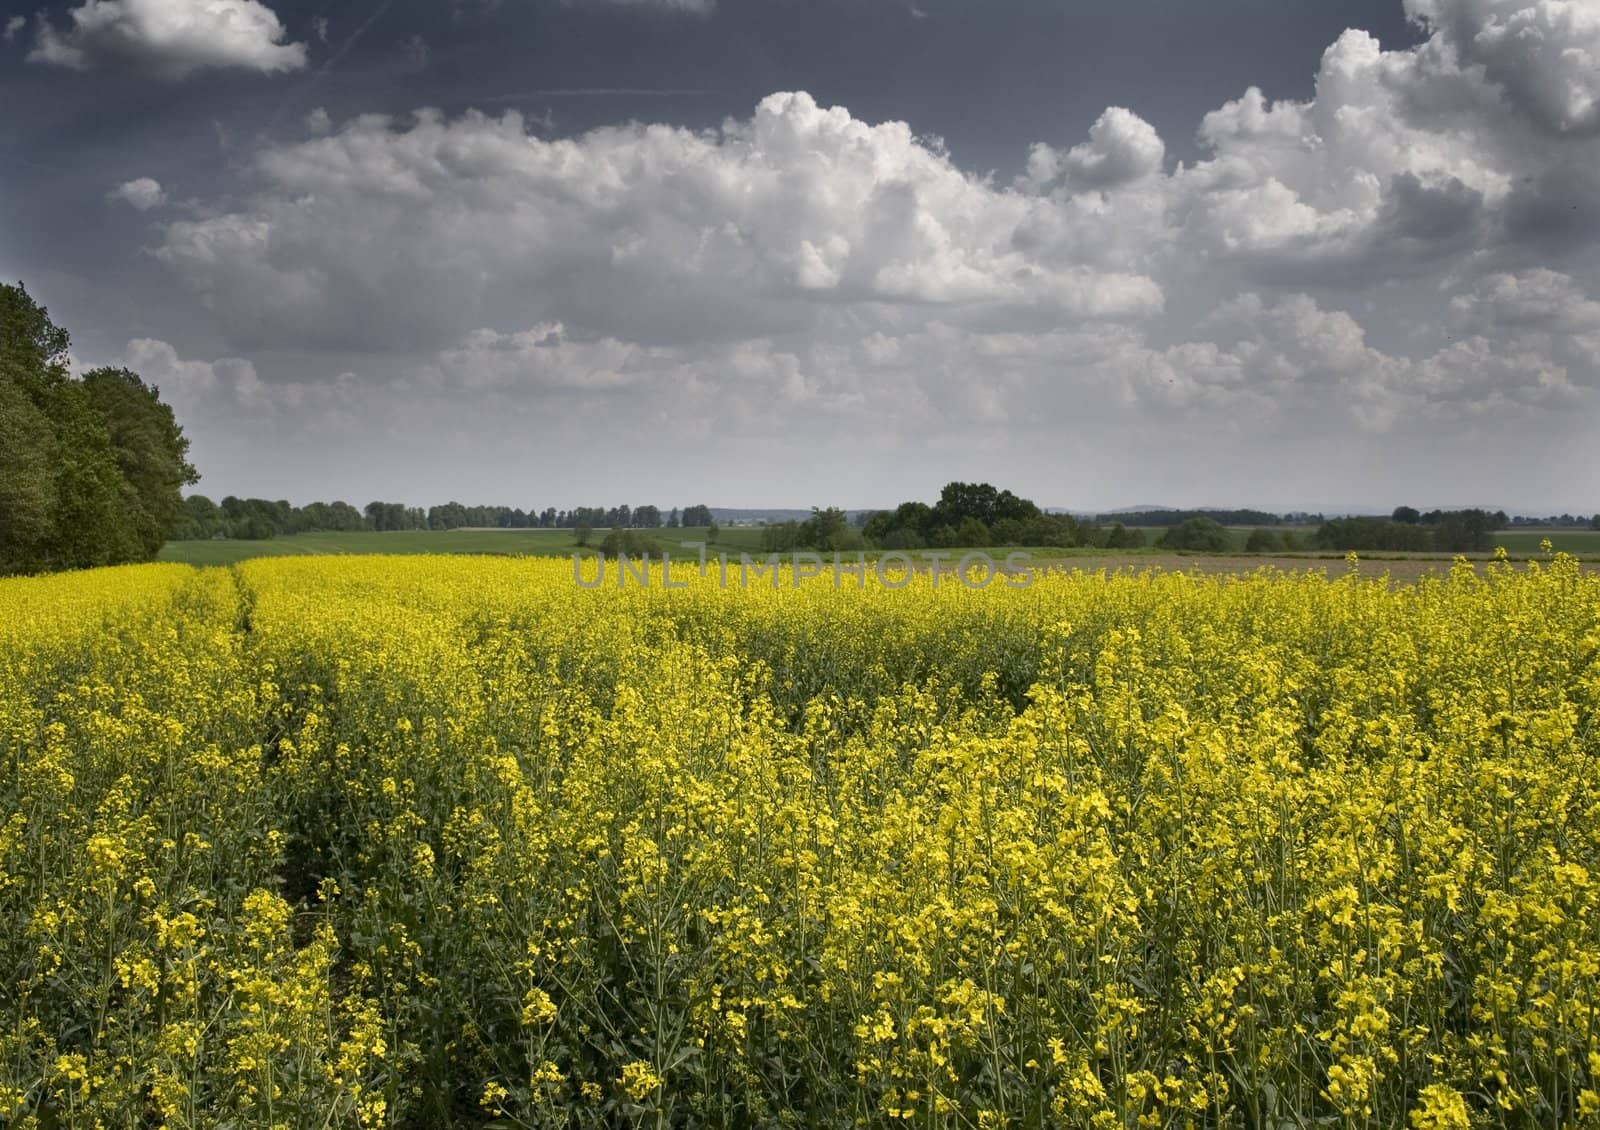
point(1584, 543)
point(1239, 534)
point(506, 542)
point(1520, 544)
point(537, 543)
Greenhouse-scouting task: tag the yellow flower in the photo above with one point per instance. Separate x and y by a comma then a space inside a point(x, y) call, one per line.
point(1440, 1107)
point(639, 1080)
point(494, 1094)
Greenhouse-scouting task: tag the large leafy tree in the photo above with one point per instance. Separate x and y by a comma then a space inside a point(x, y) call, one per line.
point(28, 338)
point(93, 523)
point(90, 470)
point(152, 452)
point(27, 476)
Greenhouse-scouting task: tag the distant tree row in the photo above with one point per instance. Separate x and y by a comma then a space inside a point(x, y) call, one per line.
point(258, 518)
point(970, 514)
point(92, 469)
point(979, 515)
point(1411, 516)
point(827, 530)
point(1207, 535)
point(966, 515)
point(1410, 530)
point(1581, 522)
point(1199, 534)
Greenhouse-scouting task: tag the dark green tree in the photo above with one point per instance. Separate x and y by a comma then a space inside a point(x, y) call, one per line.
point(972, 533)
point(27, 479)
point(89, 522)
point(203, 518)
point(151, 450)
point(28, 338)
point(1199, 535)
point(1262, 540)
point(960, 501)
point(780, 537)
point(912, 521)
point(1122, 537)
point(33, 349)
point(93, 521)
point(91, 470)
point(826, 529)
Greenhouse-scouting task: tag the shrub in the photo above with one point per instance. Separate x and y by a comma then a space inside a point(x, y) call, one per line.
point(630, 543)
point(1198, 535)
point(1262, 540)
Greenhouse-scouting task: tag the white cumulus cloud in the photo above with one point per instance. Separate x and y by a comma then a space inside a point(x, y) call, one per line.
point(169, 38)
point(143, 194)
point(1122, 147)
point(640, 232)
point(1545, 54)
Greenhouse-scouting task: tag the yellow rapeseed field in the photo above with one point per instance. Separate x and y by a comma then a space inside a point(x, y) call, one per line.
point(432, 842)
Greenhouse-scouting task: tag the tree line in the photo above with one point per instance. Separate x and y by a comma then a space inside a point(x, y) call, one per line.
point(92, 468)
point(974, 515)
point(259, 518)
point(1559, 521)
point(966, 515)
point(1412, 530)
point(978, 515)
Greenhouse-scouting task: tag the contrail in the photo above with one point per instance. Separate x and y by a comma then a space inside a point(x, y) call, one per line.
point(330, 62)
point(377, 14)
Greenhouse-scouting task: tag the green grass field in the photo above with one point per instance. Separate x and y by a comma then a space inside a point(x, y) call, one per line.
point(537, 543)
point(734, 539)
point(507, 542)
point(1525, 543)
point(1518, 543)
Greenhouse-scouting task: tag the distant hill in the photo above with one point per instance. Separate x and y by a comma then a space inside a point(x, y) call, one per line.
point(1168, 517)
point(728, 516)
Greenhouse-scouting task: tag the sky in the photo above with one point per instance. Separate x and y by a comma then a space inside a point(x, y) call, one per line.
point(789, 253)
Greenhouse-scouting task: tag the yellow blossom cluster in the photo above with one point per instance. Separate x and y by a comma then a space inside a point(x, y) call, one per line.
point(423, 842)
